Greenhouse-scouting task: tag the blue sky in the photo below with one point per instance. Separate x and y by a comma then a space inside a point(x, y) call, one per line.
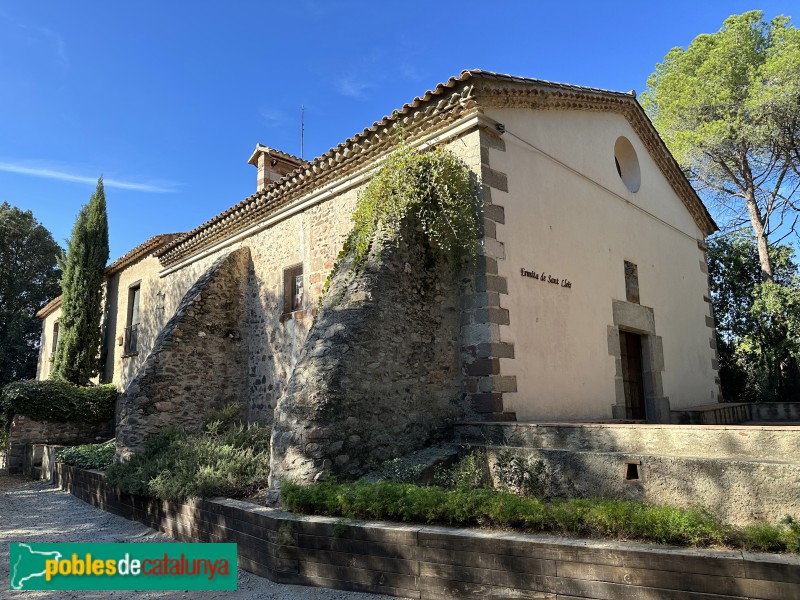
point(167, 100)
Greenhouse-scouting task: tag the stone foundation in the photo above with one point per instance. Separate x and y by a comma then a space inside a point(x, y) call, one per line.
point(198, 363)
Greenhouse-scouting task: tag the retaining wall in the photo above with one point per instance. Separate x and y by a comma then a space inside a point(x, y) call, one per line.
point(736, 442)
point(743, 474)
point(413, 561)
point(775, 411)
point(25, 431)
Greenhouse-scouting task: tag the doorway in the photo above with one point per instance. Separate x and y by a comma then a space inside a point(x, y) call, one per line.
point(630, 345)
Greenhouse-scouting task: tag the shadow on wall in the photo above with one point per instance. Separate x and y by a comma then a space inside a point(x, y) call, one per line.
point(274, 340)
point(199, 359)
point(688, 468)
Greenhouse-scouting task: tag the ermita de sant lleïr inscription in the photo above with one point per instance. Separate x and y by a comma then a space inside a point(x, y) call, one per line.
point(545, 278)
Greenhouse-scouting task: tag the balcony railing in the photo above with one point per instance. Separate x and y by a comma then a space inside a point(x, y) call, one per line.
point(131, 344)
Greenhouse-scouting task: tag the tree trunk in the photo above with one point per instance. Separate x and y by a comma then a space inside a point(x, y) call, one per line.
point(761, 235)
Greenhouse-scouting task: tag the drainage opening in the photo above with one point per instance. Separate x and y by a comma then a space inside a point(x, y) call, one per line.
point(632, 470)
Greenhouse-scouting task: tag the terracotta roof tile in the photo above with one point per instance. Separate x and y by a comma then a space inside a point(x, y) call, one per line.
point(140, 252)
point(49, 308)
point(127, 259)
point(276, 153)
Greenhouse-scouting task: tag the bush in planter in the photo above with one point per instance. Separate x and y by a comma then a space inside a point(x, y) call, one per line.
point(227, 458)
point(88, 456)
point(54, 400)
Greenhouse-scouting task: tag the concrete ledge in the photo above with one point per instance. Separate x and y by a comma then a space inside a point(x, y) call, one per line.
point(735, 442)
point(40, 460)
point(439, 562)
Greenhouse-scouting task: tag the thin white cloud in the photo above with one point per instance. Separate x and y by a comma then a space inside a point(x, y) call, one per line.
point(37, 34)
point(410, 72)
point(63, 176)
point(61, 52)
point(272, 118)
point(352, 86)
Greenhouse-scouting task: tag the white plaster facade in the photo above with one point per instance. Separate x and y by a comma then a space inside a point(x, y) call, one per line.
point(50, 316)
point(569, 214)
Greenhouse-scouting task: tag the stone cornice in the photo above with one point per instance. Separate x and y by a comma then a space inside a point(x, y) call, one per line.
point(435, 109)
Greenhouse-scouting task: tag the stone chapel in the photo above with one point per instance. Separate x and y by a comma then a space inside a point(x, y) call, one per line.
point(590, 300)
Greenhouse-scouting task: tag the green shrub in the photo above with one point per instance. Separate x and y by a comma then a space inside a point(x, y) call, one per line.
point(471, 472)
point(485, 507)
point(54, 400)
point(226, 459)
point(520, 475)
point(433, 187)
point(400, 470)
point(771, 538)
point(89, 456)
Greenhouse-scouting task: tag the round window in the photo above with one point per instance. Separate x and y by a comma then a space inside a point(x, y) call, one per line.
point(627, 164)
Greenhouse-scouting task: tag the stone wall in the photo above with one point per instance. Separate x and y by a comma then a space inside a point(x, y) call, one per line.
point(380, 372)
point(312, 238)
point(119, 368)
point(25, 431)
point(198, 362)
point(775, 411)
point(738, 492)
point(743, 474)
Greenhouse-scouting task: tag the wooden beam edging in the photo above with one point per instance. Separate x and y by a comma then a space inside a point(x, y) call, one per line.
point(424, 562)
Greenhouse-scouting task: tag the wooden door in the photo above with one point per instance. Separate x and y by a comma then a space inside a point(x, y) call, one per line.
point(630, 345)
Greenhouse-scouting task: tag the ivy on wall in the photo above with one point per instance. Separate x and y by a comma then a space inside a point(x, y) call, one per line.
point(58, 401)
point(435, 187)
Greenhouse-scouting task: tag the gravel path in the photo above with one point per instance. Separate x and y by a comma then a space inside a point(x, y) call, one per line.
point(38, 512)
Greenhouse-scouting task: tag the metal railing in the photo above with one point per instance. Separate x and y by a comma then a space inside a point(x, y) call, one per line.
point(131, 344)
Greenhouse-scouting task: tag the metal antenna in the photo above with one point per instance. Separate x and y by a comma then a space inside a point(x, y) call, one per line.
point(302, 129)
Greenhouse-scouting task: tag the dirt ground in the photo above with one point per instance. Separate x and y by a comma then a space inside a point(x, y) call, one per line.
point(38, 512)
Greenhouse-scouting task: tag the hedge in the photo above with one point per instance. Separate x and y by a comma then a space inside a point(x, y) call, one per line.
point(593, 517)
point(59, 401)
point(88, 456)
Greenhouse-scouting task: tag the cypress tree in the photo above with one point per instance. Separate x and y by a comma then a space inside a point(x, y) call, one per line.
point(80, 335)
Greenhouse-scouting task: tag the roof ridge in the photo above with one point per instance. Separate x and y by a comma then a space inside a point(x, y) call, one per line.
point(140, 251)
point(269, 198)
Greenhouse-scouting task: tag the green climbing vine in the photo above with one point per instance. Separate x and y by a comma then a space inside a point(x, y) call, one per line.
point(435, 186)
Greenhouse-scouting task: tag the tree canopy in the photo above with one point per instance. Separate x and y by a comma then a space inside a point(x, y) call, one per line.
point(28, 280)
point(758, 323)
point(80, 335)
point(728, 108)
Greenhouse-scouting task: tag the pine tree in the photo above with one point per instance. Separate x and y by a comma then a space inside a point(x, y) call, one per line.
point(80, 335)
